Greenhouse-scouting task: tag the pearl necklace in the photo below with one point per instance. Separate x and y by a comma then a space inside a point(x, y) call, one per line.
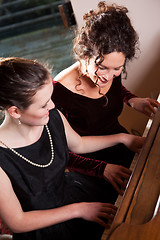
point(29, 161)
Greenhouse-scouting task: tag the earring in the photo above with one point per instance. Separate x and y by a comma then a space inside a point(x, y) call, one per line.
point(19, 122)
point(86, 67)
point(86, 64)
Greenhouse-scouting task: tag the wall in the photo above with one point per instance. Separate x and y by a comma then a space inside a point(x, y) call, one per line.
point(143, 73)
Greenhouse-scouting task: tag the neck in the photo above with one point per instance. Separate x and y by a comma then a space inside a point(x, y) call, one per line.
point(16, 135)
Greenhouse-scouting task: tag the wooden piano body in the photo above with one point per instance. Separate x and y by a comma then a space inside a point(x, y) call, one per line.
point(138, 216)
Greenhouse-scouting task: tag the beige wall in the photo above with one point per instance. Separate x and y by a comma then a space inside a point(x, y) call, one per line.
point(144, 72)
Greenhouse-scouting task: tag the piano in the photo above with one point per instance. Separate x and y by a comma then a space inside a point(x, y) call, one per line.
point(138, 214)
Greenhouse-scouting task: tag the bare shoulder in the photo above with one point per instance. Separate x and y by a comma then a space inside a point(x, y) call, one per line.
point(68, 76)
point(5, 182)
point(3, 176)
point(3, 134)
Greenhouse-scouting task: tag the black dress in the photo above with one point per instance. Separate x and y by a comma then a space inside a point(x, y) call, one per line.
point(88, 117)
point(45, 188)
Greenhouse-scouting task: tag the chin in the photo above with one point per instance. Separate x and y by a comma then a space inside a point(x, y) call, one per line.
point(101, 85)
point(46, 121)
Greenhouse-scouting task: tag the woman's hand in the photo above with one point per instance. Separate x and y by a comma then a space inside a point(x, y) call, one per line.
point(134, 143)
point(97, 212)
point(144, 105)
point(118, 176)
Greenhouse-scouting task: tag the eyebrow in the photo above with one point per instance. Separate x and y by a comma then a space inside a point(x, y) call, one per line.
point(108, 67)
point(49, 99)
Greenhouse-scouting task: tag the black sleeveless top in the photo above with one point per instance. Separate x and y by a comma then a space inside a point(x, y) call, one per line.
point(33, 184)
point(45, 188)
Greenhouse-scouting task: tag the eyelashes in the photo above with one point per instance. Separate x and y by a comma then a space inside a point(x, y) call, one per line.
point(105, 68)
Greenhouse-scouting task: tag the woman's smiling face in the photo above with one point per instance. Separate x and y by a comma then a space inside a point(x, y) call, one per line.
point(110, 67)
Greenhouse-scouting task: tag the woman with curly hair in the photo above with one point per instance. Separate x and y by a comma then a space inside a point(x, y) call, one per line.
point(91, 95)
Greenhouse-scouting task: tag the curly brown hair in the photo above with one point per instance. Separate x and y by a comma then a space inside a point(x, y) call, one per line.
point(106, 30)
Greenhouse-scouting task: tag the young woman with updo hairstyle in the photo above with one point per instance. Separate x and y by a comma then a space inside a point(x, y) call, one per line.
point(91, 95)
point(38, 199)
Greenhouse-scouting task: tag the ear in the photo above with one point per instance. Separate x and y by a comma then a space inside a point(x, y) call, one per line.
point(14, 112)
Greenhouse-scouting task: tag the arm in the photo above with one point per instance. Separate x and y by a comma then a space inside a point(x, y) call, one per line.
point(143, 105)
point(127, 95)
point(78, 144)
point(19, 221)
point(115, 174)
point(85, 165)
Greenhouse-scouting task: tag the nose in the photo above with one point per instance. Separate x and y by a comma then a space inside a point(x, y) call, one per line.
point(51, 105)
point(109, 75)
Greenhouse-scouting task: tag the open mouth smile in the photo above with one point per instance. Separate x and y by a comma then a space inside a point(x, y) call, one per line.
point(103, 80)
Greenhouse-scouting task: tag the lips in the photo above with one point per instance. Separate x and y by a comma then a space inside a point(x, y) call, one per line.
point(103, 80)
point(47, 114)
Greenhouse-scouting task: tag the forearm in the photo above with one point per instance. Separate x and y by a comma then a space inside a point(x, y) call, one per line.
point(95, 143)
point(131, 102)
point(87, 144)
point(85, 165)
point(144, 105)
point(33, 220)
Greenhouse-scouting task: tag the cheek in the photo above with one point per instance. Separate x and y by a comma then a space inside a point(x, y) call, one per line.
point(117, 73)
point(42, 113)
point(38, 114)
point(100, 72)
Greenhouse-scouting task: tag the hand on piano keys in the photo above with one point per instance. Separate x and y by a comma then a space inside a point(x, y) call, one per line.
point(147, 106)
point(118, 175)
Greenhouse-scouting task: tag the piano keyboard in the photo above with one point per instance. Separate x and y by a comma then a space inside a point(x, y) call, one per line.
point(134, 161)
point(133, 165)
